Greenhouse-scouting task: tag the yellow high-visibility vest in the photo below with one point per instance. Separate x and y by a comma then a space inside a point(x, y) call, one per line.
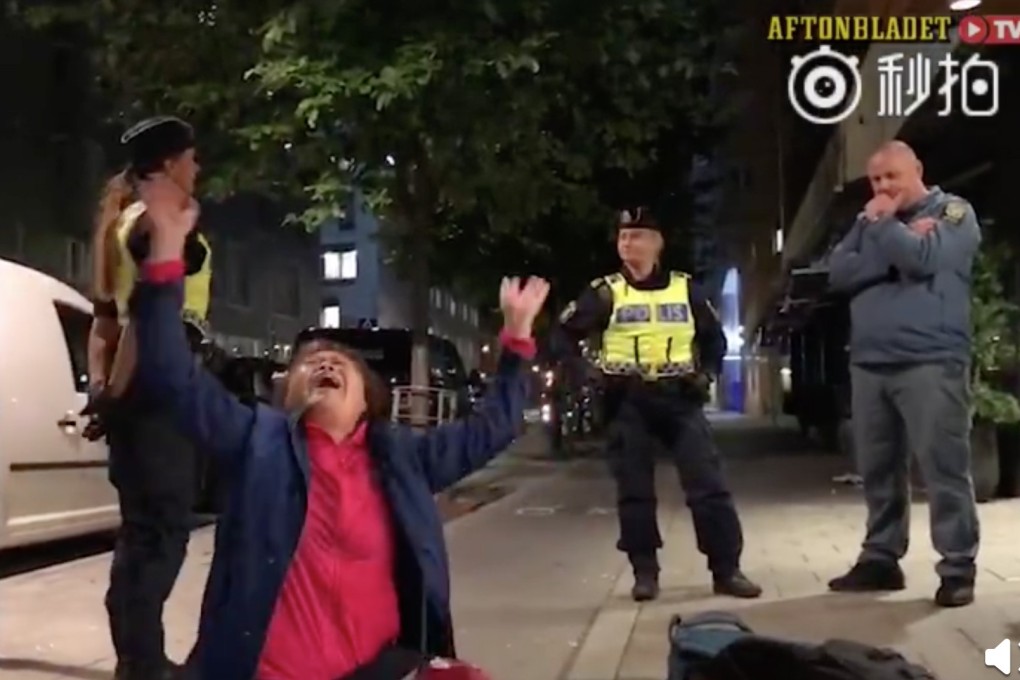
point(651, 332)
point(196, 286)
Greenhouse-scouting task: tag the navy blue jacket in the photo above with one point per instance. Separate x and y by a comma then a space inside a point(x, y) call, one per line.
point(263, 456)
point(910, 294)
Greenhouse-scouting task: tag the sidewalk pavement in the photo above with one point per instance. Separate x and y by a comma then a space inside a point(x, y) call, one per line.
point(800, 531)
point(540, 593)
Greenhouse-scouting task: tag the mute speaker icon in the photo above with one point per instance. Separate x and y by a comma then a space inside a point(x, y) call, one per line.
point(999, 657)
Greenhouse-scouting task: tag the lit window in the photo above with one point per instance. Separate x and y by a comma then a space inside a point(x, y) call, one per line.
point(331, 265)
point(349, 265)
point(340, 265)
point(330, 316)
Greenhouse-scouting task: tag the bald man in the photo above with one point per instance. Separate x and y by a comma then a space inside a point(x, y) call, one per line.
point(906, 265)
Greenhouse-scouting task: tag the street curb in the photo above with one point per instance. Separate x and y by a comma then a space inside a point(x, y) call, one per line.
point(605, 641)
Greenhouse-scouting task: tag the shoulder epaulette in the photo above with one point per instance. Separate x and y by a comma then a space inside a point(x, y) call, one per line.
point(682, 275)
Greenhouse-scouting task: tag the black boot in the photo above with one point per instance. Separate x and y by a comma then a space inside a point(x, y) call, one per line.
point(736, 585)
point(870, 576)
point(955, 592)
point(646, 577)
point(646, 586)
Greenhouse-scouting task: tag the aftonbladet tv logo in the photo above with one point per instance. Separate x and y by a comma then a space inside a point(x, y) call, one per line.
point(975, 29)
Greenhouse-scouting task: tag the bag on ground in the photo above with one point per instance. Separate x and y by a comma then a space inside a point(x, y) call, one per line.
point(719, 646)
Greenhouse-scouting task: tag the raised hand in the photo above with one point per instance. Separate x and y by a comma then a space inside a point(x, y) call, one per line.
point(521, 304)
point(171, 212)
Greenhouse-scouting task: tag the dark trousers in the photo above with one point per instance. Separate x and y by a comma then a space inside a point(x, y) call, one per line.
point(675, 418)
point(152, 466)
point(922, 409)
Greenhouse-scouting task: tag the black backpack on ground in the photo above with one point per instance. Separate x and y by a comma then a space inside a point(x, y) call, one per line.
point(719, 646)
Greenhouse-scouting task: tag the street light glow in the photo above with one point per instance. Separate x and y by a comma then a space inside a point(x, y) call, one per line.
point(963, 5)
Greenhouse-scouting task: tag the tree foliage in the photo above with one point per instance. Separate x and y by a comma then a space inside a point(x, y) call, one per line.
point(475, 118)
point(992, 317)
point(477, 130)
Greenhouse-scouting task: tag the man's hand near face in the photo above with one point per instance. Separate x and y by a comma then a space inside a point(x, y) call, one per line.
point(881, 206)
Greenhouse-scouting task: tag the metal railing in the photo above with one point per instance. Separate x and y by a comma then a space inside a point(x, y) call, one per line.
point(423, 406)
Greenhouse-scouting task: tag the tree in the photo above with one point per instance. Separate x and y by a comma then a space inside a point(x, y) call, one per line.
point(467, 126)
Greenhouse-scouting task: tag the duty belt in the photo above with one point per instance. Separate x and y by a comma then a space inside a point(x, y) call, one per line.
point(645, 371)
point(195, 321)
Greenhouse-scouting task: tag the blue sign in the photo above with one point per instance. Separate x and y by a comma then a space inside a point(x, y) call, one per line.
point(634, 314)
point(676, 312)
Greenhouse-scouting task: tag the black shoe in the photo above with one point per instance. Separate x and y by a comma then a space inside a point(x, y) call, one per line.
point(870, 576)
point(955, 592)
point(737, 585)
point(646, 586)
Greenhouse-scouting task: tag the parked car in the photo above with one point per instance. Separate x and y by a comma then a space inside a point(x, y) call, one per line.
point(53, 482)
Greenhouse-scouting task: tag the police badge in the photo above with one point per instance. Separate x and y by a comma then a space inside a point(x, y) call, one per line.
point(955, 212)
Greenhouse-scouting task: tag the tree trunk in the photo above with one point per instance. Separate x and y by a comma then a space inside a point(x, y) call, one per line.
point(420, 302)
point(415, 199)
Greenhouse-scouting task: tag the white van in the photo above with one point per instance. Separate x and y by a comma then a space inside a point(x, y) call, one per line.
point(53, 482)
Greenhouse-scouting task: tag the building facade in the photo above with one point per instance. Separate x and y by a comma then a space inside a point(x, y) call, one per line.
point(360, 288)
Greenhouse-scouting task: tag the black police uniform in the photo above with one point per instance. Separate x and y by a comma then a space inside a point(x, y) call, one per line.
point(670, 410)
point(153, 466)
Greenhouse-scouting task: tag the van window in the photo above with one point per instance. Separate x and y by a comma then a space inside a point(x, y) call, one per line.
point(76, 325)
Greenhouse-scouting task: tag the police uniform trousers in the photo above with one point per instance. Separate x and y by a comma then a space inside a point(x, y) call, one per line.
point(153, 467)
point(644, 416)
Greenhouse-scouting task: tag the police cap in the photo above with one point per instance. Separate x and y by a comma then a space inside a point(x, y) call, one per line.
point(640, 218)
point(153, 141)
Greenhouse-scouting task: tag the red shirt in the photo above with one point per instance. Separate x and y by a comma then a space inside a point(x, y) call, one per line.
point(338, 606)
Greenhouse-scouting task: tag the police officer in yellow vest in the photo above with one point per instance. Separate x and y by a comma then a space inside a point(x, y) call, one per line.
point(152, 464)
point(661, 343)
